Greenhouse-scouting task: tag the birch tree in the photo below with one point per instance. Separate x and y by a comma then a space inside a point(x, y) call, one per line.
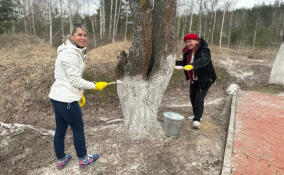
point(50, 22)
point(33, 16)
point(146, 71)
point(126, 24)
point(102, 19)
point(200, 17)
point(61, 19)
point(114, 22)
point(214, 21)
point(191, 15)
point(230, 29)
point(110, 19)
point(222, 26)
point(94, 32)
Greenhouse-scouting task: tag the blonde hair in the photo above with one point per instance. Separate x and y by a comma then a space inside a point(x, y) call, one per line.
point(74, 30)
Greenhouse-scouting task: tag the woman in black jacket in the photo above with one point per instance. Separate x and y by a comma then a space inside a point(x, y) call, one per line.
point(199, 71)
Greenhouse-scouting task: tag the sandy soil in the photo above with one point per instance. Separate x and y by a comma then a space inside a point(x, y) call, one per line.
point(27, 76)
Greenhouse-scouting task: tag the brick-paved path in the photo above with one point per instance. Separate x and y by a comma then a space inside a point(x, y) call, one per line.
point(259, 135)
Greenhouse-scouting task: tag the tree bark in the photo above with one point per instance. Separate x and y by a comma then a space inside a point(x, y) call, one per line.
point(102, 19)
point(191, 16)
point(114, 22)
point(230, 29)
point(222, 26)
point(94, 32)
point(33, 16)
point(200, 18)
point(50, 23)
point(254, 36)
point(146, 71)
point(126, 24)
point(61, 19)
point(110, 19)
point(214, 22)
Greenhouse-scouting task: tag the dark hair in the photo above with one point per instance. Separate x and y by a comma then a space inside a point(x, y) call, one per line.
point(78, 25)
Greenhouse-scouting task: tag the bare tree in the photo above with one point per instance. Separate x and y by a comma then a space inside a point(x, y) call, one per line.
point(102, 19)
point(110, 18)
point(230, 29)
point(254, 36)
point(191, 15)
point(147, 70)
point(94, 32)
point(50, 22)
point(114, 22)
point(61, 19)
point(200, 17)
point(214, 21)
point(33, 16)
point(222, 26)
point(126, 24)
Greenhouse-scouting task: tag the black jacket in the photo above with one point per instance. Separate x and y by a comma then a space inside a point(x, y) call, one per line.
point(202, 65)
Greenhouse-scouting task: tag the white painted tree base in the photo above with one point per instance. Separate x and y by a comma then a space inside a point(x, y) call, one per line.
point(140, 100)
point(277, 72)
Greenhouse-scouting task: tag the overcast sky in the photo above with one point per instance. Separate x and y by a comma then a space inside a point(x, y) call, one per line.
point(251, 3)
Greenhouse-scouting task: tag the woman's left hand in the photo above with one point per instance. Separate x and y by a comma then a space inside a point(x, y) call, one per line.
point(82, 101)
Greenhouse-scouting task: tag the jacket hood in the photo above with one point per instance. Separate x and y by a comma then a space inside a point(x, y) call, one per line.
point(69, 45)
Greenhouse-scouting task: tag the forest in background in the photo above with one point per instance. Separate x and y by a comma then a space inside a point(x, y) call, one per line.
point(218, 22)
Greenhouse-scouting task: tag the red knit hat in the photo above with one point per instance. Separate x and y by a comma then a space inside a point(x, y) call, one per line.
point(190, 36)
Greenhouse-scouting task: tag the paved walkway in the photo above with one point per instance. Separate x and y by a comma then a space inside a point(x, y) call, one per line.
point(258, 147)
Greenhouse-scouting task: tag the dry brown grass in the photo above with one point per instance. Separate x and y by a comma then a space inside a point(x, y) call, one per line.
point(26, 65)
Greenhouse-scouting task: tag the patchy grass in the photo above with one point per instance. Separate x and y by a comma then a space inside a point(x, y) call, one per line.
point(271, 88)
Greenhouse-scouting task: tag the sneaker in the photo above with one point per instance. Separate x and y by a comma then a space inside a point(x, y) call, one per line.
point(196, 124)
point(192, 117)
point(90, 159)
point(63, 163)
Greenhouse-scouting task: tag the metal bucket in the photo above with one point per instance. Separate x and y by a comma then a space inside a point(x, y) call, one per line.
point(172, 123)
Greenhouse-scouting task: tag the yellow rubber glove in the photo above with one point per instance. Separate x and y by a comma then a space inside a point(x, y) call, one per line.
point(100, 85)
point(82, 101)
point(188, 67)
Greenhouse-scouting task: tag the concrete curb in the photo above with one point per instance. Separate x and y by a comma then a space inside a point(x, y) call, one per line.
point(227, 161)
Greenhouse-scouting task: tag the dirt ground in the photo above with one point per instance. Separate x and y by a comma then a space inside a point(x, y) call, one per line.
point(27, 65)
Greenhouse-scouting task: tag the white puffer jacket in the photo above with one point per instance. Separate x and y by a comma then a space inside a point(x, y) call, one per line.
point(69, 66)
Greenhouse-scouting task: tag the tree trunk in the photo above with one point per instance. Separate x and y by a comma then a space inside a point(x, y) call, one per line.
point(214, 22)
point(94, 33)
point(222, 26)
point(33, 16)
point(61, 19)
point(254, 36)
point(114, 22)
point(110, 19)
point(146, 71)
point(117, 20)
point(126, 24)
point(102, 19)
point(50, 23)
point(200, 18)
point(230, 29)
point(191, 16)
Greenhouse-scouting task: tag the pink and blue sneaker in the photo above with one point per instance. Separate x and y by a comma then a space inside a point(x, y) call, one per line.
point(88, 161)
point(63, 163)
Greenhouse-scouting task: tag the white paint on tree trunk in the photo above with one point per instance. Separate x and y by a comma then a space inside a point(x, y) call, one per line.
point(140, 100)
point(277, 72)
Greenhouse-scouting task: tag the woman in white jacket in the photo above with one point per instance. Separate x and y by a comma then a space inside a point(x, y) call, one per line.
point(67, 91)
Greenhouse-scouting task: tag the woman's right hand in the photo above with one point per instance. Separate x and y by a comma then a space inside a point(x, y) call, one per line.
point(100, 85)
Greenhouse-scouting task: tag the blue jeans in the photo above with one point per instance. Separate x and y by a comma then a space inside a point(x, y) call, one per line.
point(68, 114)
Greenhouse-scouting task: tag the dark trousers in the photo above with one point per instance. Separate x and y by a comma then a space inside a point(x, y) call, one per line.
point(68, 114)
point(197, 95)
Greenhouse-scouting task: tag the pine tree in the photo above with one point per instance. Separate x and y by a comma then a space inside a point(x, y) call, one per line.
point(7, 15)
